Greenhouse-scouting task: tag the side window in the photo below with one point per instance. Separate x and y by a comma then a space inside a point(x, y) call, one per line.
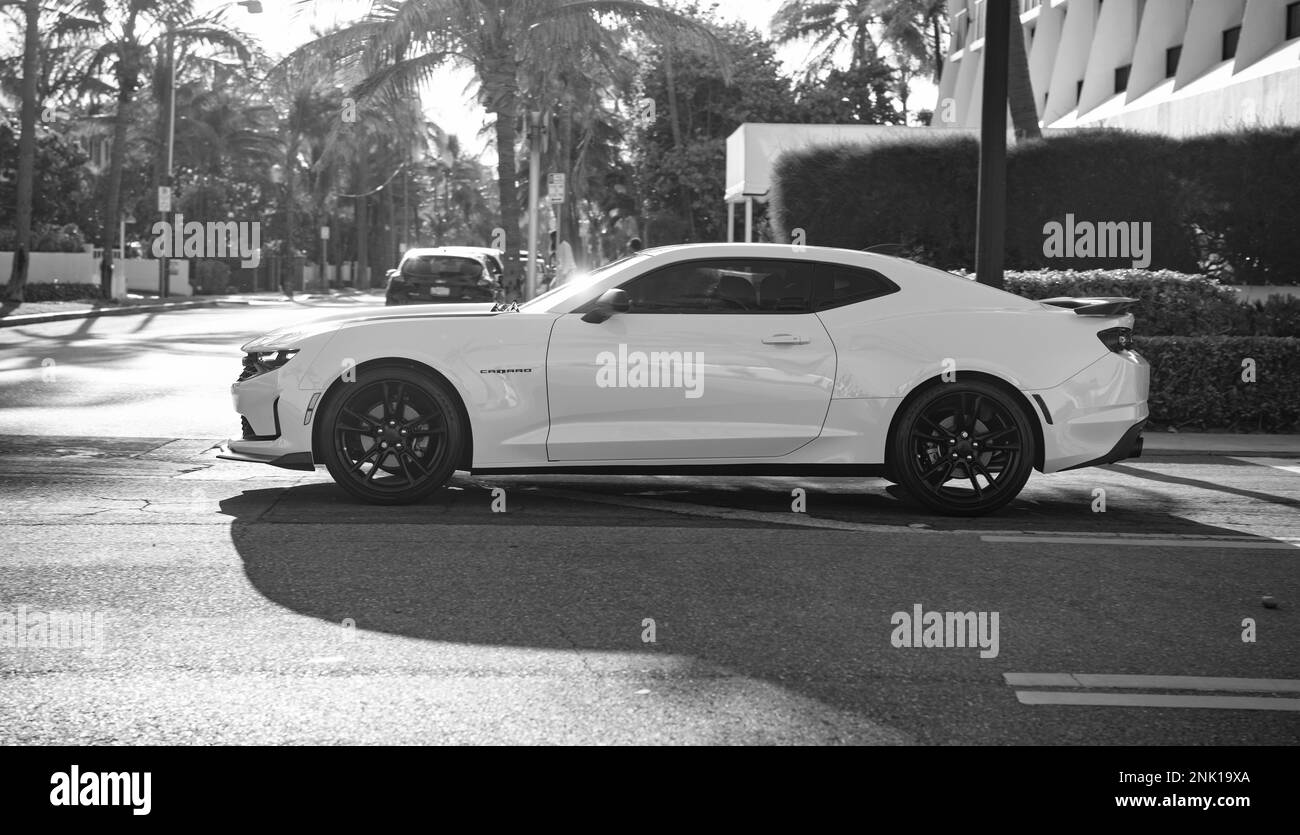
point(838, 285)
point(724, 286)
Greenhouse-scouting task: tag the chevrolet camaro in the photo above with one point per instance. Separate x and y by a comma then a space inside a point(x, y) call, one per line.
point(724, 359)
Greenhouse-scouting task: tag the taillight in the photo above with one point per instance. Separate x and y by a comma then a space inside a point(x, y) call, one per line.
point(1117, 339)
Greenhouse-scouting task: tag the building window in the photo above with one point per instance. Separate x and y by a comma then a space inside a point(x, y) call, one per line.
point(1230, 38)
point(1172, 54)
point(1293, 21)
point(1121, 77)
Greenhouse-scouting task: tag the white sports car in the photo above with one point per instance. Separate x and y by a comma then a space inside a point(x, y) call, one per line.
point(710, 358)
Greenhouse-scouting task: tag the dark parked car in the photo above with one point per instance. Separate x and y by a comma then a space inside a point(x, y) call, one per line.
point(430, 276)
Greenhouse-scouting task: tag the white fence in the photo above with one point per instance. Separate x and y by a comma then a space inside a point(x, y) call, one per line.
point(134, 275)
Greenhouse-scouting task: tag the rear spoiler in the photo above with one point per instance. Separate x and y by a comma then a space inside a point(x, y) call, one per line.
point(1107, 306)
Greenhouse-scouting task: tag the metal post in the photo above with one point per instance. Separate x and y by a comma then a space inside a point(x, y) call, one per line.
point(749, 219)
point(991, 221)
point(534, 174)
point(731, 222)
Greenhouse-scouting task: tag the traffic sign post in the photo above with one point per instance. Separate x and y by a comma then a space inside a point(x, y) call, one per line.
point(555, 188)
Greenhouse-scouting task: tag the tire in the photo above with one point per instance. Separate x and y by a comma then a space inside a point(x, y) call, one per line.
point(963, 449)
point(393, 436)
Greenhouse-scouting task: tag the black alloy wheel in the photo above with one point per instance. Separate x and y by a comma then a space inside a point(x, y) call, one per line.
point(393, 436)
point(964, 448)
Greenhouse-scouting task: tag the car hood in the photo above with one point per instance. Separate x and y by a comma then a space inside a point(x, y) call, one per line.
point(293, 336)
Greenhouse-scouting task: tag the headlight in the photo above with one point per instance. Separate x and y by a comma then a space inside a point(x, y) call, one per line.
point(260, 362)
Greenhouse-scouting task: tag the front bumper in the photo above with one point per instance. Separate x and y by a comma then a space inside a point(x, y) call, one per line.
point(276, 422)
point(289, 461)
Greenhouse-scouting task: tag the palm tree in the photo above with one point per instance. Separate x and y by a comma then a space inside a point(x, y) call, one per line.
point(407, 41)
point(26, 150)
point(126, 32)
point(1020, 92)
point(828, 25)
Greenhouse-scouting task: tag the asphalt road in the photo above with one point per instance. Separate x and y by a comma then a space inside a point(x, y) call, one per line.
point(244, 604)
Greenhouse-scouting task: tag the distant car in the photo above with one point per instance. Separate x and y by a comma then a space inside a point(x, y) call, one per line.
point(710, 359)
point(495, 258)
point(432, 276)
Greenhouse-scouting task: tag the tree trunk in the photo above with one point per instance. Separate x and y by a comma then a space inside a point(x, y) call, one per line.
point(361, 281)
point(26, 154)
point(501, 99)
point(117, 162)
point(938, 49)
point(1020, 92)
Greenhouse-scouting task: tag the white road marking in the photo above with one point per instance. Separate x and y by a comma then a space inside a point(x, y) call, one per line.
point(1288, 465)
point(1057, 697)
point(1119, 682)
point(1239, 542)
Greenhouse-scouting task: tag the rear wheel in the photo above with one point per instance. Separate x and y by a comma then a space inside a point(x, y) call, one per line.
point(393, 436)
point(963, 449)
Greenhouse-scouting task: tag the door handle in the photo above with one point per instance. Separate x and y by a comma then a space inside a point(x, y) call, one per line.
point(785, 339)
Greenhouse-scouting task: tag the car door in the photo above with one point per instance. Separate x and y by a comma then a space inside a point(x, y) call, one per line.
point(716, 359)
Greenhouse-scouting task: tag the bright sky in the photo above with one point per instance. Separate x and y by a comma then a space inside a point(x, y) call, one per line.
point(286, 24)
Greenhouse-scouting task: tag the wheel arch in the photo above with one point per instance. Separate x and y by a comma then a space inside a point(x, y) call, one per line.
point(1016, 395)
point(467, 454)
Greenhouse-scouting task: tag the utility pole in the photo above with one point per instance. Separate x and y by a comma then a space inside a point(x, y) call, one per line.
point(991, 221)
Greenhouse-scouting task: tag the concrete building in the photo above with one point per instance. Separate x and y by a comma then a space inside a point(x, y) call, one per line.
point(1177, 67)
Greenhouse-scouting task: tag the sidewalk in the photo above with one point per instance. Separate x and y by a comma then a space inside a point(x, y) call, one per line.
point(1220, 443)
point(51, 312)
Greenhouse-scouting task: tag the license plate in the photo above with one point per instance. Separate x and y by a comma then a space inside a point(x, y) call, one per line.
point(439, 291)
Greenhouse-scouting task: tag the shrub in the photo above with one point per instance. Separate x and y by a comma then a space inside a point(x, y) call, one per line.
point(1223, 203)
point(46, 239)
point(1096, 176)
point(1241, 198)
point(919, 194)
point(1196, 381)
point(1171, 304)
point(1279, 316)
point(61, 292)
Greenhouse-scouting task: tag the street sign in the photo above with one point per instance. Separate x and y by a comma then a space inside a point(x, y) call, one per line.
point(555, 188)
point(164, 198)
point(324, 233)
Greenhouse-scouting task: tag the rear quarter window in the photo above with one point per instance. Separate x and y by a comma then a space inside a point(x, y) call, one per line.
point(837, 286)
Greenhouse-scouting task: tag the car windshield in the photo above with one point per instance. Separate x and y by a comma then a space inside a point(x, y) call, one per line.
point(560, 297)
point(427, 266)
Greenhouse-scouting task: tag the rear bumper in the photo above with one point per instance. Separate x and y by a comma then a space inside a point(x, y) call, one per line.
point(1128, 446)
point(1097, 416)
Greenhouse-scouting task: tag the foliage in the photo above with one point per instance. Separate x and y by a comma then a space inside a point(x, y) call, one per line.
point(1218, 204)
point(1197, 382)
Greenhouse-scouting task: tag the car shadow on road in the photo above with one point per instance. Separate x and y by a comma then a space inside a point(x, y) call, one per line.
point(808, 610)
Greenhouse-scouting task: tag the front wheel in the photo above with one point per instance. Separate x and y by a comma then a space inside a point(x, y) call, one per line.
point(393, 436)
point(963, 449)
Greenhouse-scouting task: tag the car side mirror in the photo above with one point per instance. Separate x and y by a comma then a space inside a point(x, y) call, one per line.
point(391, 274)
point(609, 303)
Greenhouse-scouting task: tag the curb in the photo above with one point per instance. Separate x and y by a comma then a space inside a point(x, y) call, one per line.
point(1150, 451)
point(39, 318)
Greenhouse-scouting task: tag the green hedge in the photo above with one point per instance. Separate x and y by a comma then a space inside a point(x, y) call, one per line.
point(1223, 203)
point(918, 194)
point(1172, 303)
point(1196, 382)
point(60, 292)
